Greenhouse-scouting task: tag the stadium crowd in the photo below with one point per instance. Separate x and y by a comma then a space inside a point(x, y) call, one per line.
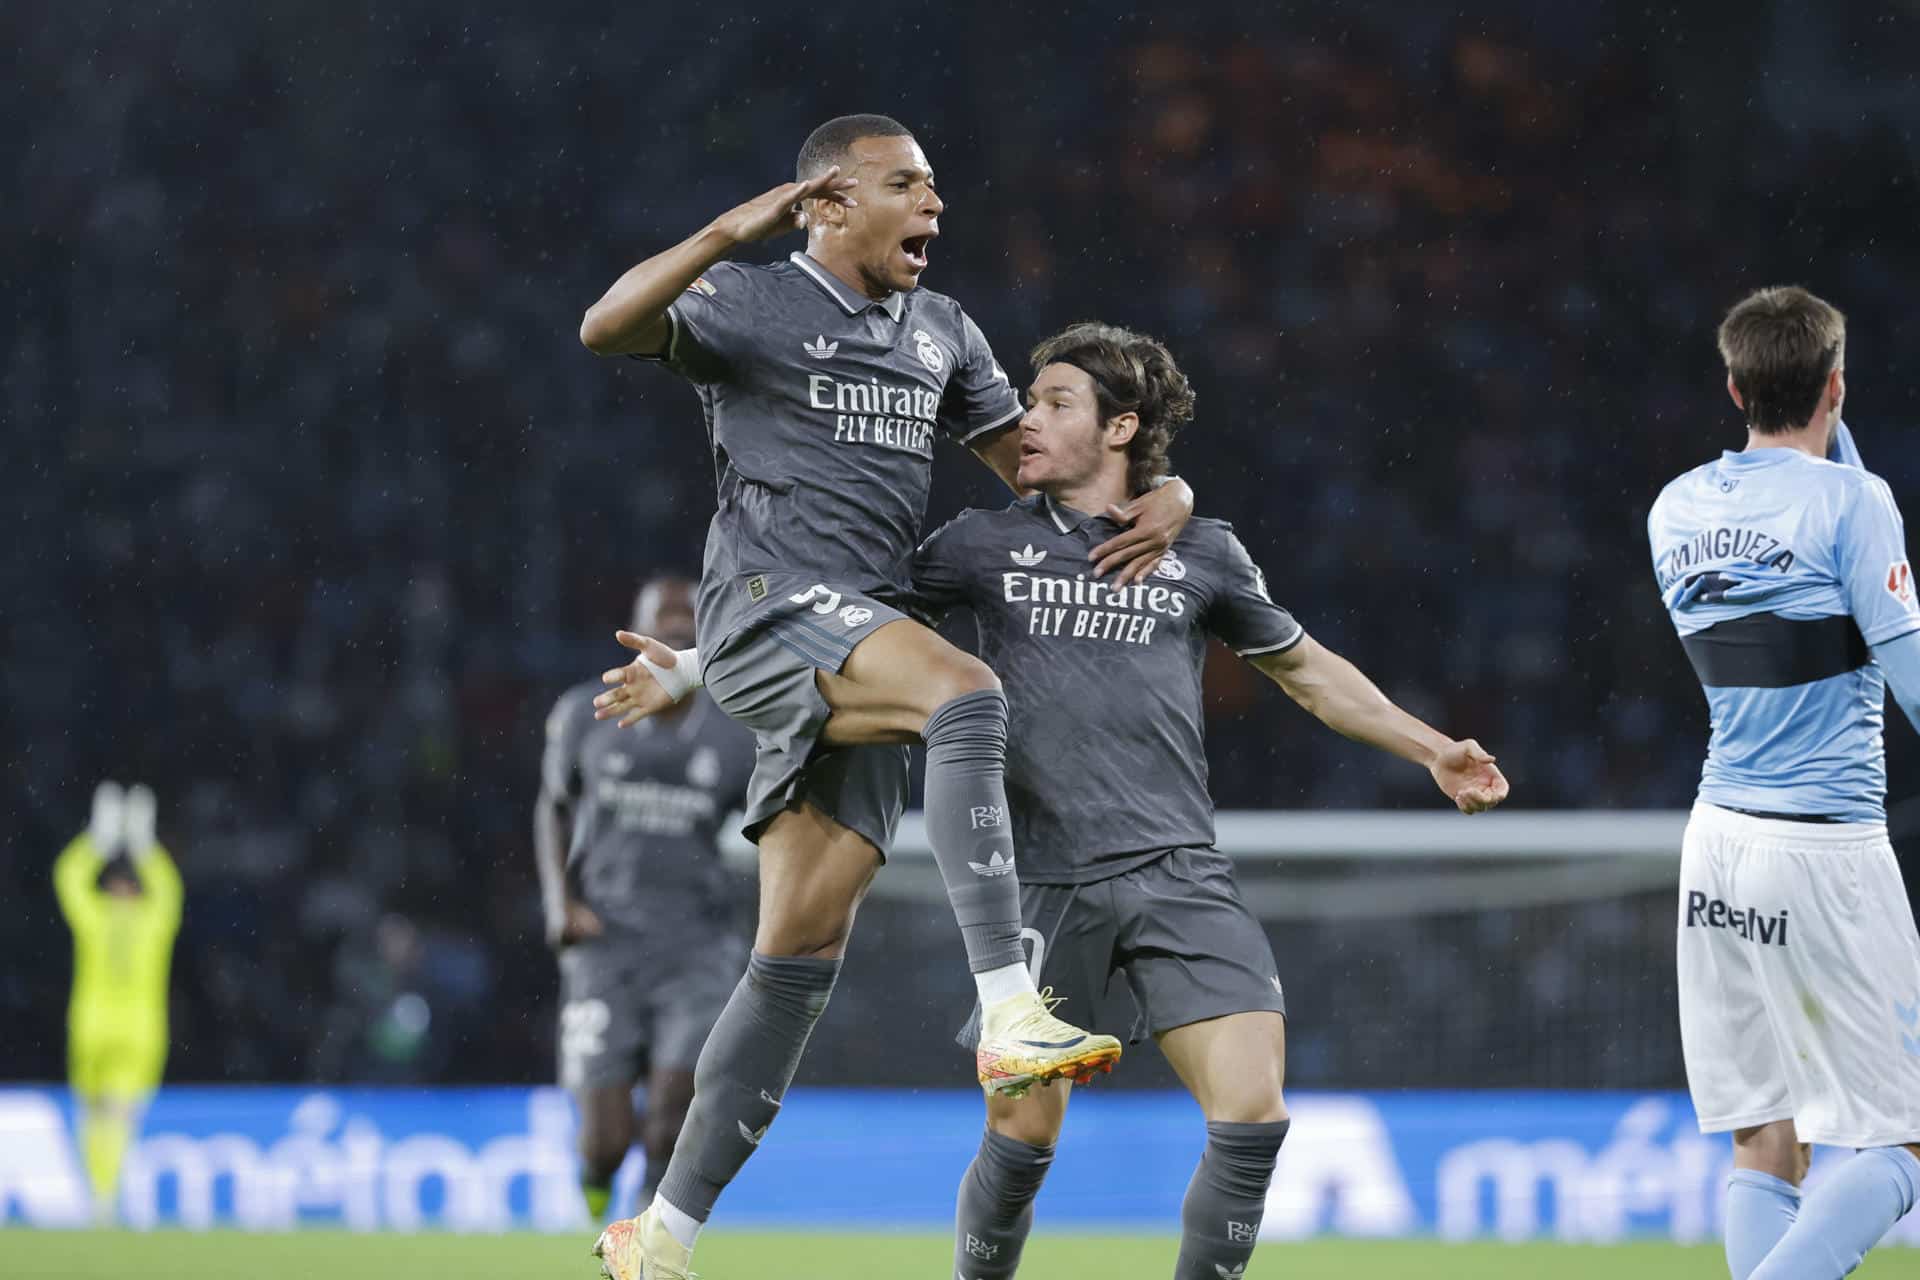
point(319, 503)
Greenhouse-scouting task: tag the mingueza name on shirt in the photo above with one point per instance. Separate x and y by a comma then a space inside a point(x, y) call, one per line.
point(1079, 609)
point(1750, 924)
point(654, 808)
point(1722, 546)
point(872, 412)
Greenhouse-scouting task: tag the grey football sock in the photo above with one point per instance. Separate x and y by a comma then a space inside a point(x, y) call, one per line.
point(966, 811)
point(1220, 1219)
point(995, 1210)
point(742, 1075)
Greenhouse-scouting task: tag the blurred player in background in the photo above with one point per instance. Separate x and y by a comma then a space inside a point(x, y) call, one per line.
point(1121, 881)
point(826, 380)
point(1785, 569)
point(1107, 774)
point(637, 902)
point(121, 897)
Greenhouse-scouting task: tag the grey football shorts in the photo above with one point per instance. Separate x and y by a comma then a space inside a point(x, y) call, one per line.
point(762, 675)
point(1175, 928)
point(624, 1012)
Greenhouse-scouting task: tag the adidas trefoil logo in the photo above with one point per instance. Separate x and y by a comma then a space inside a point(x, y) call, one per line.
point(1230, 1273)
point(1026, 557)
point(998, 865)
point(820, 348)
point(753, 1136)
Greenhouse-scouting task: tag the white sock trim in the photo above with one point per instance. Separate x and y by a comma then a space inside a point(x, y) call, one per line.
point(679, 1223)
point(1004, 983)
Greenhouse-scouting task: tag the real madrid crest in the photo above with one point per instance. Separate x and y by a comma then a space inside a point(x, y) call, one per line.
point(929, 352)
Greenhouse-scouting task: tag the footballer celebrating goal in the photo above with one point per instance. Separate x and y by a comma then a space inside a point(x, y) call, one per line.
point(825, 380)
point(1114, 885)
point(1784, 567)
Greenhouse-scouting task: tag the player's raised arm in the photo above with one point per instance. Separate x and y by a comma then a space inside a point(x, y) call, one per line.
point(1341, 697)
point(631, 317)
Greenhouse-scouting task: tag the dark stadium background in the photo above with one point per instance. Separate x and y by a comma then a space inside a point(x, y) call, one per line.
point(316, 502)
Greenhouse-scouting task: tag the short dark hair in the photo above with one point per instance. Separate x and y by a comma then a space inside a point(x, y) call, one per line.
point(1132, 373)
point(1780, 344)
point(827, 146)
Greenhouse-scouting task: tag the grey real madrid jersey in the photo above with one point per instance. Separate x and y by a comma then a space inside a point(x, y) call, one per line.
point(822, 406)
point(1106, 758)
point(646, 805)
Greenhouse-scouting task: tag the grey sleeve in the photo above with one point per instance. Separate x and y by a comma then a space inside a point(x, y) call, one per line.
point(940, 569)
point(560, 761)
point(979, 400)
point(1240, 612)
point(710, 324)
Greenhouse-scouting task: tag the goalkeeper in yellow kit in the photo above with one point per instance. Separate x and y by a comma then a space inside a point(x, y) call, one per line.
point(121, 896)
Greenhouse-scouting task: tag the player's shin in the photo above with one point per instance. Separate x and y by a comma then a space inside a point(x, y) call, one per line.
point(1760, 1209)
point(1220, 1218)
point(967, 825)
point(994, 1212)
point(740, 1080)
point(1845, 1216)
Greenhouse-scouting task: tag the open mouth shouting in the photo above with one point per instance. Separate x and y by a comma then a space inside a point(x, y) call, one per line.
point(914, 248)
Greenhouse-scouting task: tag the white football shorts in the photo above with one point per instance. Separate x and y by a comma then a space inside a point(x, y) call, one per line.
point(1799, 975)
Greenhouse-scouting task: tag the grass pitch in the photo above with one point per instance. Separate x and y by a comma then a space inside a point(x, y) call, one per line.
point(742, 1255)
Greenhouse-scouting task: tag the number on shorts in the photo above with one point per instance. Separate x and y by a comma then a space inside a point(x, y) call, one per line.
point(583, 1028)
point(823, 600)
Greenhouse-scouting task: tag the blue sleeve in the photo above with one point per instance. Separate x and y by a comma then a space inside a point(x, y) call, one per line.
point(1842, 449)
point(1872, 559)
point(1899, 660)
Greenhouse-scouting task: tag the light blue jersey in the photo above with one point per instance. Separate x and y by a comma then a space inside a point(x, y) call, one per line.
point(1780, 571)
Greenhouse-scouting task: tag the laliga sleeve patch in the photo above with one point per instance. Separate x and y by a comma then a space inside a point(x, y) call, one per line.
point(1900, 582)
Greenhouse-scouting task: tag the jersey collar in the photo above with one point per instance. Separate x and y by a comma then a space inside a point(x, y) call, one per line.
point(1061, 516)
point(894, 304)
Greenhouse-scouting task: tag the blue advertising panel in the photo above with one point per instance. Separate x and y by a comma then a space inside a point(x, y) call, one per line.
point(1478, 1165)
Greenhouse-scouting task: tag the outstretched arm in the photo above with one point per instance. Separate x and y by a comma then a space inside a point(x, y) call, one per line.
point(1342, 698)
point(631, 317)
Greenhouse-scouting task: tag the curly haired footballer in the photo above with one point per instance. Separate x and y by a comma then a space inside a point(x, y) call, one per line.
point(1132, 373)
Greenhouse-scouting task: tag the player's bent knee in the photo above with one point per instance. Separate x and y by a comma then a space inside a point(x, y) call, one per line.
point(958, 675)
point(1249, 1110)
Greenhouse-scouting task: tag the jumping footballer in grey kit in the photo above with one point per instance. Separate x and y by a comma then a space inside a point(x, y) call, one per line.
point(825, 380)
point(637, 903)
point(1120, 877)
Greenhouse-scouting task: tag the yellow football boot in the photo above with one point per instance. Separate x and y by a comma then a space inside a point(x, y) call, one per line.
point(641, 1249)
point(1022, 1044)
